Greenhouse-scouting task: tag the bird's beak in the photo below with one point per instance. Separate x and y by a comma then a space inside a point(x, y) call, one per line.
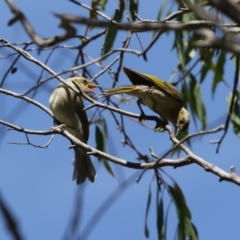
point(90, 86)
point(177, 132)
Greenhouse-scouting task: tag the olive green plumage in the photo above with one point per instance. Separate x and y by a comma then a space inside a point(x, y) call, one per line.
point(161, 97)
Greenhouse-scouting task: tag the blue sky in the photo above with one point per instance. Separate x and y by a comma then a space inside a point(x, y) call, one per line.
point(36, 183)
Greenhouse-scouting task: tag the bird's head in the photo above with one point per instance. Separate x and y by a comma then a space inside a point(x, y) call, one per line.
point(85, 85)
point(182, 121)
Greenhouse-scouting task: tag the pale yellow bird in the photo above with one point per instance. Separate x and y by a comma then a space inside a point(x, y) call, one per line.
point(161, 97)
point(67, 108)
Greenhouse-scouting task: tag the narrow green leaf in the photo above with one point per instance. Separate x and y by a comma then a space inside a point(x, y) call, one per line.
point(105, 129)
point(119, 12)
point(111, 33)
point(195, 230)
point(160, 15)
point(101, 145)
point(235, 116)
point(110, 37)
point(219, 71)
point(103, 4)
point(195, 101)
point(146, 230)
point(207, 64)
point(94, 6)
point(188, 98)
point(108, 167)
point(190, 230)
point(132, 9)
point(182, 208)
point(100, 139)
point(180, 232)
point(178, 189)
point(185, 229)
point(180, 47)
point(160, 221)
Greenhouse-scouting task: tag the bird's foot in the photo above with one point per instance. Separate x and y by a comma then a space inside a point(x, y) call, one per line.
point(58, 128)
point(160, 125)
point(142, 117)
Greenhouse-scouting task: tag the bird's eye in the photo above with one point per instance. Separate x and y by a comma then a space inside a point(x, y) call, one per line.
point(181, 121)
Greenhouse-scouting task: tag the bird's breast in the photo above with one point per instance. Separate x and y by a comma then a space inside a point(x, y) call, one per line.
point(162, 103)
point(63, 109)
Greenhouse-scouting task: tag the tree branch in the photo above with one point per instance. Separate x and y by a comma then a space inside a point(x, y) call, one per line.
point(189, 159)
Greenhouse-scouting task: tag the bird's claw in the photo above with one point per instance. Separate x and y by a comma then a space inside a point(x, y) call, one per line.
point(160, 125)
point(142, 117)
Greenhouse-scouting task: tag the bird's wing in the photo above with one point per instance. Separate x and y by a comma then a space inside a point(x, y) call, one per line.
point(138, 78)
point(82, 116)
point(167, 87)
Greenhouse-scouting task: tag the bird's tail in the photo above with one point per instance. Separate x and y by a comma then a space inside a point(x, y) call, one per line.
point(118, 90)
point(83, 167)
